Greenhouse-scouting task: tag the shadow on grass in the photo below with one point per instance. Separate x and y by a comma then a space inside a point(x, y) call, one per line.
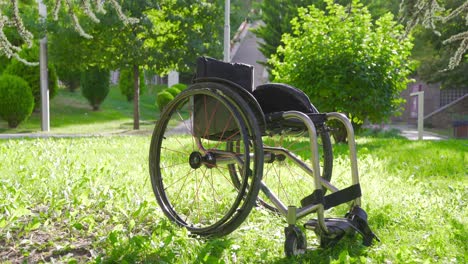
point(349, 249)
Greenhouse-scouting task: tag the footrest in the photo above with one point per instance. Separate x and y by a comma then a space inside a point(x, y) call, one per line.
point(337, 229)
point(355, 221)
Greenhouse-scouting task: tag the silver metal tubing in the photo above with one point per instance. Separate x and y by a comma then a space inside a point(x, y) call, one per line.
point(301, 212)
point(352, 147)
point(315, 158)
point(274, 199)
point(300, 163)
point(292, 216)
point(200, 145)
point(227, 157)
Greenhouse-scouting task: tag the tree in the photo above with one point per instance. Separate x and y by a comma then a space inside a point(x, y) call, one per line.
point(276, 16)
point(431, 15)
point(126, 83)
point(95, 86)
point(186, 30)
point(434, 55)
point(344, 62)
point(14, 21)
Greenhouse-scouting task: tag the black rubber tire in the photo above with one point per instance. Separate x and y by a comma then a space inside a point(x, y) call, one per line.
point(295, 244)
point(195, 211)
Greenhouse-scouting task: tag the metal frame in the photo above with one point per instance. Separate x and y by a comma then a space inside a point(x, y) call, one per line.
point(292, 213)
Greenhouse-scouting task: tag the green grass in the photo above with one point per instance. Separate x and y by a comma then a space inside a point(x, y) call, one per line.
point(75, 200)
point(70, 113)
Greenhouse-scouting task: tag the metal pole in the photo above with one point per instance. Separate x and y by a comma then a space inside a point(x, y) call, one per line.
point(227, 31)
point(420, 96)
point(45, 116)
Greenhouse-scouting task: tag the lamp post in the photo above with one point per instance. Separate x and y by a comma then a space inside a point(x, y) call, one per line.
point(45, 117)
point(227, 31)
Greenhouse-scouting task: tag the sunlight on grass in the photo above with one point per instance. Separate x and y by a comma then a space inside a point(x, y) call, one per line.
point(70, 113)
point(90, 200)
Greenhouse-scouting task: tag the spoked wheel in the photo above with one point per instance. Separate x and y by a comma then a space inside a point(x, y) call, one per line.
point(189, 161)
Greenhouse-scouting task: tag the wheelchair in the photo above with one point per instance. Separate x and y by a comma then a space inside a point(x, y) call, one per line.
point(222, 147)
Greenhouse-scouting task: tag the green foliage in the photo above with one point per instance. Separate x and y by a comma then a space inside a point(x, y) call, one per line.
point(174, 91)
point(344, 62)
point(3, 63)
point(179, 86)
point(277, 16)
point(32, 74)
point(126, 84)
point(163, 98)
point(16, 100)
point(434, 55)
point(183, 31)
point(69, 77)
point(95, 86)
point(72, 115)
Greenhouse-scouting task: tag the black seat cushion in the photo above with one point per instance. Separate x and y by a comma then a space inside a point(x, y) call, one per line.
point(278, 97)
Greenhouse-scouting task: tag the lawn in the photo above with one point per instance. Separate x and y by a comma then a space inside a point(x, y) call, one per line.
point(70, 113)
point(75, 200)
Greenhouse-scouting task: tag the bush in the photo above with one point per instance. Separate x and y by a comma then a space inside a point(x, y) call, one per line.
point(16, 100)
point(69, 77)
point(162, 99)
point(174, 91)
point(31, 74)
point(95, 86)
point(3, 63)
point(179, 86)
point(356, 66)
point(126, 83)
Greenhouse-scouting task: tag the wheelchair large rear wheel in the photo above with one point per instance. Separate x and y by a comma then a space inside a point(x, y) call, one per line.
point(190, 160)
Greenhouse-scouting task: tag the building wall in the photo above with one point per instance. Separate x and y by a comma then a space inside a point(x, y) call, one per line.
point(434, 99)
point(431, 101)
point(444, 119)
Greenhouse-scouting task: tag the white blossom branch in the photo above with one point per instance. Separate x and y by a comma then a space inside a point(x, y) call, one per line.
point(23, 32)
point(427, 13)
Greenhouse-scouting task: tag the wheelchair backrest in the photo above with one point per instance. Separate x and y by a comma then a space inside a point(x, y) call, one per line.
point(238, 73)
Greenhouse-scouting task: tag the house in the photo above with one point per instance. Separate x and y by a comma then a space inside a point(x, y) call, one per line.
point(443, 109)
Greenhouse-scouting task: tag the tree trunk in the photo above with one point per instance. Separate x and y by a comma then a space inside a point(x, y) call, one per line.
point(136, 98)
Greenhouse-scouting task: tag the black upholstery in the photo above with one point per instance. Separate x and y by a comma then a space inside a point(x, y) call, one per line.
point(238, 77)
point(238, 73)
point(278, 97)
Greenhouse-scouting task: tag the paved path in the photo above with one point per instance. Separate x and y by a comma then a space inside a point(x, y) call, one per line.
point(411, 132)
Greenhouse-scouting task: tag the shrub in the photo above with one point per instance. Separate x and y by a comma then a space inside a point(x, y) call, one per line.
point(69, 77)
point(356, 66)
point(126, 83)
point(16, 100)
point(162, 99)
point(160, 87)
point(179, 86)
point(174, 91)
point(3, 63)
point(95, 86)
point(31, 74)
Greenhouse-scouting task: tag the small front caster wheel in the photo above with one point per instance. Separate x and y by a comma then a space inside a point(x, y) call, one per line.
point(296, 243)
